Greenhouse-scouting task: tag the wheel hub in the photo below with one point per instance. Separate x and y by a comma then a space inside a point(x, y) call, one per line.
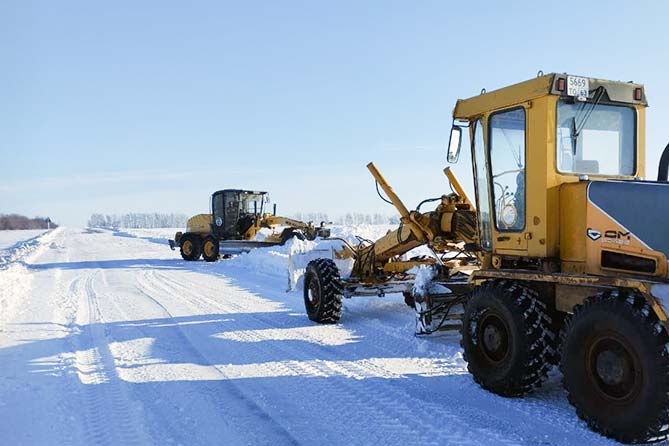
point(494, 335)
point(188, 248)
point(313, 293)
point(613, 368)
point(492, 338)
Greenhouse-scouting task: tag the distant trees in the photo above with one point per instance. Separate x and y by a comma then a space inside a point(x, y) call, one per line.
point(15, 221)
point(135, 220)
point(315, 217)
point(157, 220)
point(349, 218)
point(357, 218)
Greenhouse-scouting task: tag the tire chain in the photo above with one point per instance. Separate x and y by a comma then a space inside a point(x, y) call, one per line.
point(639, 307)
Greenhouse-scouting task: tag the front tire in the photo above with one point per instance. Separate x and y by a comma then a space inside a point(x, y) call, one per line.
point(323, 291)
point(506, 338)
point(191, 247)
point(210, 249)
point(616, 367)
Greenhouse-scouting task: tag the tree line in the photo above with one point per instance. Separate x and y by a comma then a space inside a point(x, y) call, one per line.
point(350, 218)
point(15, 221)
point(136, 220)
point(158, 220)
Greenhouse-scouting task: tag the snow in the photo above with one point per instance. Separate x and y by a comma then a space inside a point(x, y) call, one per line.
point(13, 243)
point(16, 247)
point(111, 338)
point(11, 238)
point(424, 275)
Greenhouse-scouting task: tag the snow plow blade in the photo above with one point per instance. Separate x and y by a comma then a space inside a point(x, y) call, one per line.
point(230, 247)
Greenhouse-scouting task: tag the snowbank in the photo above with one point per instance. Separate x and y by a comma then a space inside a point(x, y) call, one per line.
point(16, 245)
point(15, 278)
point(291, 259)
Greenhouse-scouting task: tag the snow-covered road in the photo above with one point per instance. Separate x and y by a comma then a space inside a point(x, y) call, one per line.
point(110, 339)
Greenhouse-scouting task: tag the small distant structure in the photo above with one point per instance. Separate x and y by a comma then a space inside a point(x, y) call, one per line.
point(48, 222)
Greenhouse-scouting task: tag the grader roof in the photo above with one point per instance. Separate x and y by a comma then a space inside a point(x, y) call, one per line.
point(241, 191)
point(617, 91)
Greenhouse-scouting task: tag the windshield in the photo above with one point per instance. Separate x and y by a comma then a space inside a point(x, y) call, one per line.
point(252, 203)
point(594, 138)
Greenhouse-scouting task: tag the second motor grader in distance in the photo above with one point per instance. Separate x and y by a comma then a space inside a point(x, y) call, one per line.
point(237, 216)
point(561, 258)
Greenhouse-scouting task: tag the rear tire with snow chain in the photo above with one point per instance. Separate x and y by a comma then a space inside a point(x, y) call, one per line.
point(506, 337)
point(323, 291)
point(616, 367)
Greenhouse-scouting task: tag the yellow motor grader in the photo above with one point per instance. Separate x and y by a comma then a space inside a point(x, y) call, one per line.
point(560, 258)
point(237, 216)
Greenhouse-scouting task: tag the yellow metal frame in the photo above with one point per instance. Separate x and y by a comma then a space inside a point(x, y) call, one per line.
point(541, 236)
point(557, 209)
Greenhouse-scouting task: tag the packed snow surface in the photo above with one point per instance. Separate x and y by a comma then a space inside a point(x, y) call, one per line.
point(110, 338)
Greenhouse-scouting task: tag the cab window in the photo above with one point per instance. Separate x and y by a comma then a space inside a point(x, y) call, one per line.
point(507, 165)
point(482, 191)
point(596, 139)
point(218, 207)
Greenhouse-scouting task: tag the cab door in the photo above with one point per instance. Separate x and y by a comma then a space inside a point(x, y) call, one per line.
point(506, 156)
point(233, 209)
point(218, 215)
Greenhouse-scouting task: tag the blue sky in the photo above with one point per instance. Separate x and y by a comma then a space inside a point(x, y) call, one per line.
point(150, 106)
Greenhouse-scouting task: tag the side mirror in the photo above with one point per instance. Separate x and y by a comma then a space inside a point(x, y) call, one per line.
point(454, 143)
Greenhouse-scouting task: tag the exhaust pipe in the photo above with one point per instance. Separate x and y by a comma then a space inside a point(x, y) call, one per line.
point(663, 169)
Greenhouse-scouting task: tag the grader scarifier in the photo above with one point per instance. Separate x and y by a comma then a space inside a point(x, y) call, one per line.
point(562, 258)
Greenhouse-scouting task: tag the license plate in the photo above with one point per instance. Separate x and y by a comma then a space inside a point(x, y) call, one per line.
point(578, 86)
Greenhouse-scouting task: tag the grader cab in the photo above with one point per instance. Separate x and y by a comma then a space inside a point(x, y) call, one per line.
point(234, 211)
point(560, 258)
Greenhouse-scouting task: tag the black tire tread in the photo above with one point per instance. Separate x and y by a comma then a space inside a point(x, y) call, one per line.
point(536, 324)
point(635, 306)
point(327, 273)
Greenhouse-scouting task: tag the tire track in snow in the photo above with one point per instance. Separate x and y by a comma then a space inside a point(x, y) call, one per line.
point(562, 426)
point(557, 423)
point(387, 411)
point(111, 418)
point(240, 412)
